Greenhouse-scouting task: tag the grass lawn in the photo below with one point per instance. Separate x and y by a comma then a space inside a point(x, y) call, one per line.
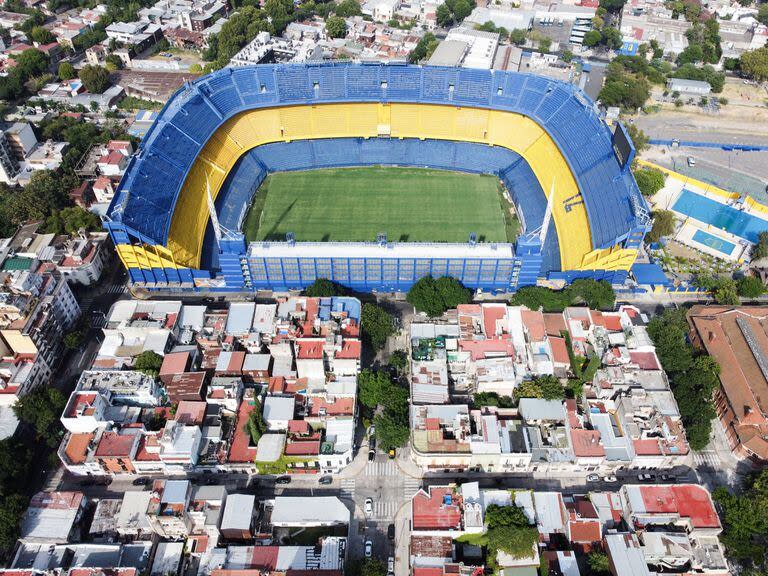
point(355, 204)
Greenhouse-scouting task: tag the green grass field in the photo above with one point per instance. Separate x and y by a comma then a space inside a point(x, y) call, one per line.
point(355, 204)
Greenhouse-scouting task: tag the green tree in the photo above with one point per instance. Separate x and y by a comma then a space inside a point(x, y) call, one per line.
point(750, 287)
point(348, 8)
point(649, 180)
point(40, 35)
point(66, 71)
point(598, 563)
point(663, 225)
point(95, 78)
point(745, 522)
point(611, 38)
point(392, 432)
point(528, 389)
point(436, 296)
point(255, 426)
point(324, 288)
point(336, 27)
point(506, 530)
point(71, 220)
point(15, 462)
point(551, 389)
point(444, 15)
point(377, 325)
point(762, 13)
point(725, 292)
point(373, 387)
point(760, 249)
point(424, 48)
point(12, 509)
point(754, 64)
point(518, 36)
point(545, 44)
point(41, 409)
point(461, 9)
point(148, 362)
point(592, 38)
point(481, 399)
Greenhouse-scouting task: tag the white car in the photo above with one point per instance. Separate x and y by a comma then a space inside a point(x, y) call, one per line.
point(610, 478)
point(390, 565)
point(369, 506)
point(593, 478)
point(368, 548)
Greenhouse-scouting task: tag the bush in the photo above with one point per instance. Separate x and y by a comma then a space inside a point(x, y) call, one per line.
point(66, 71)
point(649, 180)
point(663, 225)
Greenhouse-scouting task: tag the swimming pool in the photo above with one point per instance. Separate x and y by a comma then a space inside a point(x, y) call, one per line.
point(719, 215)
point(714, 242)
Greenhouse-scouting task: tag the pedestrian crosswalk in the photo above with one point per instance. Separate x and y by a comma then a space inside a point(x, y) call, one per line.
point(410, 487)
point(385, 468)
point(98, 320)
point(347, 488)
point(707, 458)
point(384, 510)
point(115, 288)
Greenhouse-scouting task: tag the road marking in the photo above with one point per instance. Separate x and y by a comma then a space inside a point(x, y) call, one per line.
point(708, 458)
point(386, 468)
point(347, 487)
point(410, 487)
point(384, 510)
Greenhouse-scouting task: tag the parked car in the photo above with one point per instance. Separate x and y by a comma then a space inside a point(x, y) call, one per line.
point(142, 481)
point(668, 478)
point(283, 480)
point(645, 477)
point(369, 505)
point(691, 161)
point(325, 480)
point(390, 566)
point(392, 453)
point(371, 431)
point(372, 443)
point(391, 531)
point(371, 455)
point(368, 548)
point(610, 478)
point(593, 478)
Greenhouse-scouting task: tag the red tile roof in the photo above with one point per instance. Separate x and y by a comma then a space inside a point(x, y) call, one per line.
point(645, 360)
point(114, 445)
point(586, 443)
point(174, 363)
point(585, 531)
point(534, 322)
point(559, 350)
point(688, 500)
point(350, 349)
point(479, 349)
point(309, 349)
point(431, 513)
point(340, 406)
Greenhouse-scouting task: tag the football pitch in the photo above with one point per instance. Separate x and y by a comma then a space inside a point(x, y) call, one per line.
point(355, 204)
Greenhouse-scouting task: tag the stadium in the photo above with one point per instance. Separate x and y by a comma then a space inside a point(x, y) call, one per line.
point(376, 175)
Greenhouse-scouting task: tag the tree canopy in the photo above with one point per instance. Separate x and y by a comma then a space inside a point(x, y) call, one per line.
point(745, 522)
point(336, 27)
point(649, 180)
point(597, 294)
point(750, 287)
point(376, 390)
point(377, 325)
point(424, 48)
point(324, 288)
point(507, 529)
point(42, 408)
point(693, 376)
point(754, 64)
point(436, 296)
point(546, 387)
point(255, 426)
point(663, 225)
point(95, 78)
point(148, 362)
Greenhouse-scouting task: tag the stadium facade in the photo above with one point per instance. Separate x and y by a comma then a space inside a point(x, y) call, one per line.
point(217, 139)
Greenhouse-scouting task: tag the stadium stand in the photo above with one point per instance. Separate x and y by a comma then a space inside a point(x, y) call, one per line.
point(238, 124)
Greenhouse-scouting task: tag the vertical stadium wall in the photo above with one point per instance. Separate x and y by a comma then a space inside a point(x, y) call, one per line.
point(225, 132)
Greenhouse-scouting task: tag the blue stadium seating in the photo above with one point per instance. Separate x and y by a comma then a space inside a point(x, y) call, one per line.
point(146, 197)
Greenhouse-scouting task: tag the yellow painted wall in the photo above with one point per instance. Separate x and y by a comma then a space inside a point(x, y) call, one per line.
point(256, 127)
